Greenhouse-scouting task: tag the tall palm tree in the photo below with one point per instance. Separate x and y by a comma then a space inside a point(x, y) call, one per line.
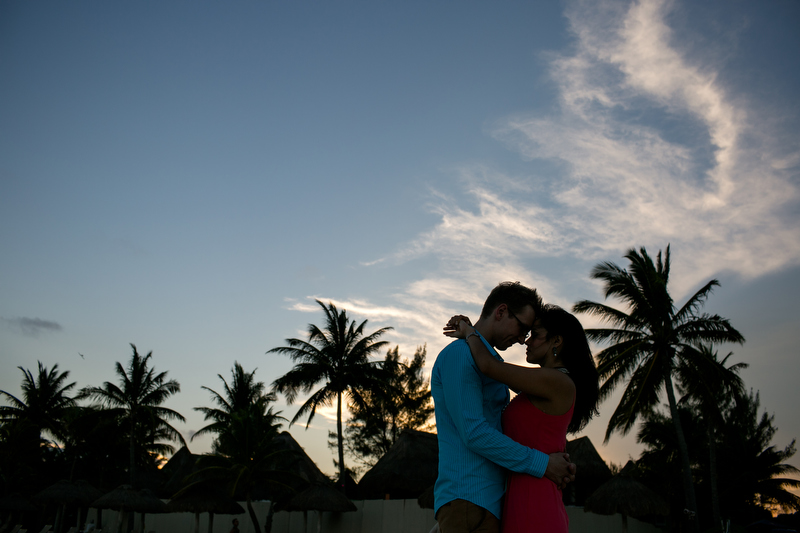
point(337, 356)
point(243, 393)
point(712, 387)
point(138, 399)
point(244, 451)
point(647, 341)
point(45, 400)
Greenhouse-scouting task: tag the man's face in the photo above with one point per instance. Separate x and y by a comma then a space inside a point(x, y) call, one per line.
point(513, 327)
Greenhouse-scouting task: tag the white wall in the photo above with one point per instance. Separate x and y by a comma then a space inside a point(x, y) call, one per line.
point(372, 516)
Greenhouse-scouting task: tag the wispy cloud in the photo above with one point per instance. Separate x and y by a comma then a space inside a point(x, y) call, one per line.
point(31, 327)
point(649, 147)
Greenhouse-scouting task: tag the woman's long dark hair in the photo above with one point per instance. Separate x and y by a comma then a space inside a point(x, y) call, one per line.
point(577, 357)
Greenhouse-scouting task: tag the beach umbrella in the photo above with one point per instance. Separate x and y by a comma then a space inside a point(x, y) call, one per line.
point(69, 493)
point(426, 499)
point(318, 497)
point(16, 503)
point(126, 499)
point(65, 493)
point(202, 498)
point(406, 470)
point(623, 494)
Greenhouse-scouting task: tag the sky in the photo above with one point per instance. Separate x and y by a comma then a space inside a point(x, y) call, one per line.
point(190, 176)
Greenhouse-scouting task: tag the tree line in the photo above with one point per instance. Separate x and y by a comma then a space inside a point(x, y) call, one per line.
point(709, 448)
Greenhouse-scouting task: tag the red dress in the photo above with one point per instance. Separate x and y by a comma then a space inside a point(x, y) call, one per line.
point(532, 504)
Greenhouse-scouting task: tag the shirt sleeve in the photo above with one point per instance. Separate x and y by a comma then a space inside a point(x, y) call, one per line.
point(463, 392)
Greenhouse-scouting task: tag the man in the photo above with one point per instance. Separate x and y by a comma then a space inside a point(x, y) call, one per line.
point(473, 452)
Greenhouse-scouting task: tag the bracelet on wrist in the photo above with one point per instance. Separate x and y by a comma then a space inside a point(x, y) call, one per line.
point(474, 332)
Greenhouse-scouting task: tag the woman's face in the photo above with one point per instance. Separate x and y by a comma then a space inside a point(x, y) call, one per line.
point(537, 344)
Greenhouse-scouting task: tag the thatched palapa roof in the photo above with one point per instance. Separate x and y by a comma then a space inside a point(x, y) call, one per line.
point(406, 470)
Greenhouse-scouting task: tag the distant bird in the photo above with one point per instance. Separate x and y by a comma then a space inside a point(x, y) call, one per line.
point(82, 357)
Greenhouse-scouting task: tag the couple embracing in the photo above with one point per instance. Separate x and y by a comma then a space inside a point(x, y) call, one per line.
point(502, 465)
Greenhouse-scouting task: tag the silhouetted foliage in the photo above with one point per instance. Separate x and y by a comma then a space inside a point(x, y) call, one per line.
point(244, 452)
point(404, 403)
point(647, 342)
point(138, 401)
point(751, 471)
point(338, 357)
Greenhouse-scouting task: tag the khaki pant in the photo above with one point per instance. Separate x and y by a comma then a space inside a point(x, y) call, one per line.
point(461, 516)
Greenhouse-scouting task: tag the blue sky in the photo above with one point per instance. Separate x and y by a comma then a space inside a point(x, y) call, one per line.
point(190, 176)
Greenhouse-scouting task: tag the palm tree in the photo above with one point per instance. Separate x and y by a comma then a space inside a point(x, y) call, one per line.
point(712, 387)
point(753, 473)
point(647, 342)
point(760, 476)
point(44, 400)
point(244, 451)
point(337, 356)
point(138, 399)
point(243, 393)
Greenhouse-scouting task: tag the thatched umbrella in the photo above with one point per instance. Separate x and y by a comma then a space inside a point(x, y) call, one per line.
point(203, 499)
point(318, 497)
point(16, 503)
point(127, 499)
point(68, 493)
point(426, 499)
point(406, 470)
point(623, 494)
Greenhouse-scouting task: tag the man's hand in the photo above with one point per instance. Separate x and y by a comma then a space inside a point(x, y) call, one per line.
point(559, 470)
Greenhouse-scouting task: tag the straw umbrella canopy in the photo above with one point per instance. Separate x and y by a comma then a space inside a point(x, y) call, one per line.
point(318, 497)
point(127, 499)
point(68, 493)
point(203, 499)
point(623, 494)
point(16, 503)
point(406, 470)
point(426, 499)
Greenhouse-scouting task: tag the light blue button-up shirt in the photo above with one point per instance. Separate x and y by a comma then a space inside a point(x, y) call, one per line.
point(473, 453)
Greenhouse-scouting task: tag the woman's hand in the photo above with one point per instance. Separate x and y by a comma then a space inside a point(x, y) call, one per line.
point(459, 326)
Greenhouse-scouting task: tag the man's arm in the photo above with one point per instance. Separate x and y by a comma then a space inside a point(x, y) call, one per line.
point(463, 392)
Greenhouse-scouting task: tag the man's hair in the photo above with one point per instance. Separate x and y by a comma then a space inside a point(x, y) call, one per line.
point(515, 295)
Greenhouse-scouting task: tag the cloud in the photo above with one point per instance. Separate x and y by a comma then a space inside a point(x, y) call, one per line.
point(628, 181)
point(651, 149)
point(31, 327)
point(645, 146)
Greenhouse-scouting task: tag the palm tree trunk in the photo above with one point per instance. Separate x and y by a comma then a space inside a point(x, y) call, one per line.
point(712, 465)
point(132, 455)
point(252, 513)
point(686, 466)
point(341, 440)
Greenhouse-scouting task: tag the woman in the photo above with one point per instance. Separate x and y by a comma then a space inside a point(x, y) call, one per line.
point(558, 398)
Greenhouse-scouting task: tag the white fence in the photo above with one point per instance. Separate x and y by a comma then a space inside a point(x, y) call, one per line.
point(372, 516)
